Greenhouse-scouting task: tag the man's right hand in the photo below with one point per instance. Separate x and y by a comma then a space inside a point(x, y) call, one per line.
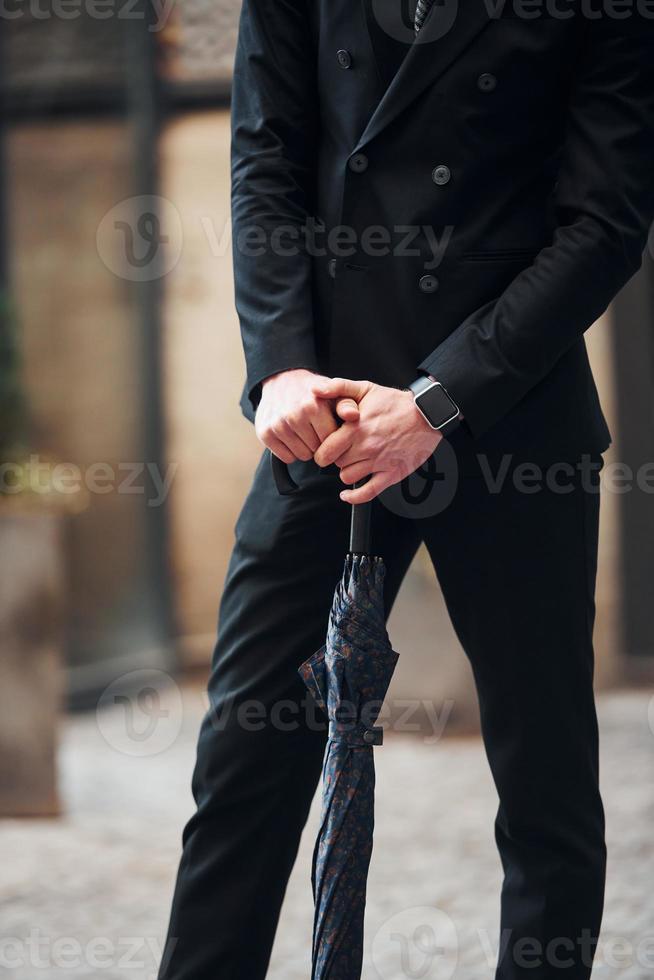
point(292, 419)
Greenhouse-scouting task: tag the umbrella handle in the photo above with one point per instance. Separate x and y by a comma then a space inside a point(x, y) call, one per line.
point(281, 475)
point(361, 513)
point(360, 527)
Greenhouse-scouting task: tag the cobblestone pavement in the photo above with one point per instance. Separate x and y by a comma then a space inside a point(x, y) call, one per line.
point(88, 895)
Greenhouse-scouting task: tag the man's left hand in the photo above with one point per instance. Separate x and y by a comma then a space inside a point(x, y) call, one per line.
point(390, 440)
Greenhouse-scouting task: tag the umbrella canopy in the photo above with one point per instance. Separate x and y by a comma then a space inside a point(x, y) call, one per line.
point(349, 678)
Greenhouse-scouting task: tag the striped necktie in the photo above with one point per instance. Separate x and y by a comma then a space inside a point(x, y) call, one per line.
point(423, 8)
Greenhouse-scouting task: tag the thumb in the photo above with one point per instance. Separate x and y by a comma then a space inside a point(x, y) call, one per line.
point(347, 410)
point(342, 388)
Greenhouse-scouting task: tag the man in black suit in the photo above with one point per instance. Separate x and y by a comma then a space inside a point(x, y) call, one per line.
point(441, 201)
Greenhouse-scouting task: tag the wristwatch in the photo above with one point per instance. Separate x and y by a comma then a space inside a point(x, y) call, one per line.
point(434, 403)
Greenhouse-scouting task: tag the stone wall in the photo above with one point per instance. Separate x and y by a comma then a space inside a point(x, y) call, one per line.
point(201, 42)
point(51, 59)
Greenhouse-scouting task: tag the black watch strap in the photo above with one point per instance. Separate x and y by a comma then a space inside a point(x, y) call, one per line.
point(435, 404)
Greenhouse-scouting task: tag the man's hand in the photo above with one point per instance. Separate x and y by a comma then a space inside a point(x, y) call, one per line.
point(389, 440)
point(296, 414)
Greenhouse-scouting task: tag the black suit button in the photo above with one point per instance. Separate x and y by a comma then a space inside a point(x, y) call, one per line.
point(441, 174)
point(331, 268)
point(428, 284)
point(487, 82)
point(358, 163)
point(344, 58)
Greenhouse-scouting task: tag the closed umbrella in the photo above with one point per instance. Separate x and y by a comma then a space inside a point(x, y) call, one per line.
point(349, 677)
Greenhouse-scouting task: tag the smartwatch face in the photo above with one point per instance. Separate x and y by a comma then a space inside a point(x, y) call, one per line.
point(437, 405)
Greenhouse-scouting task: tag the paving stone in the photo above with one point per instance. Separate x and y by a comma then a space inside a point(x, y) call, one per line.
point(87, 896)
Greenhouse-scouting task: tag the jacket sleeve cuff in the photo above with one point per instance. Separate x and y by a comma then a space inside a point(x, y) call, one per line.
point(460, 385)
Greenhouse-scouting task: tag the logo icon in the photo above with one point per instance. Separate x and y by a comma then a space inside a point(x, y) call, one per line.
point(396, 19)
point(140, 713)
point(429, 490)
point(419, 943)
point(140, 238)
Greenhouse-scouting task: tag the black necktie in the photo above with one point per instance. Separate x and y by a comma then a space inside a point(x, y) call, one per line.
point(422, 10)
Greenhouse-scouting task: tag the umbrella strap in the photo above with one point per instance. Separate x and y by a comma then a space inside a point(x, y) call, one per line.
point(357, 737)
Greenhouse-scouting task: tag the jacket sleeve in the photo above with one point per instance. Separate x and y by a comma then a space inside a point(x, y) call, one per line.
point(274, 139)
point(604, 205)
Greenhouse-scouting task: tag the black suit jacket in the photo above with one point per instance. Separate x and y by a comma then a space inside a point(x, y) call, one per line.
point(472, 208)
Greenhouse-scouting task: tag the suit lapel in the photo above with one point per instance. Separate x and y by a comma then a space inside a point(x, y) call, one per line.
point(389, 29)
point(446, 34)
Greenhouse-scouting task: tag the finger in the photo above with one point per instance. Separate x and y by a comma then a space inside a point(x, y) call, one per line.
point(334, 446)
point(323, 422)
point(277, 448)
point(305, 431)
point(341, 388)
point(286, 434)
point(353, 454)
point(357, 471)
point(347, 410)
point(361, 495)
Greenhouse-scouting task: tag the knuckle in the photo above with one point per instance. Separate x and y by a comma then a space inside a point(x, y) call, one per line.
point(309, 404)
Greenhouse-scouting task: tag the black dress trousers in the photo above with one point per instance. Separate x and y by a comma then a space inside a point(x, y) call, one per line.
point(517, 570)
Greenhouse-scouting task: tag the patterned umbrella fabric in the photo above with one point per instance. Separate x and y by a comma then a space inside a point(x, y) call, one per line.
point(349, 678)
